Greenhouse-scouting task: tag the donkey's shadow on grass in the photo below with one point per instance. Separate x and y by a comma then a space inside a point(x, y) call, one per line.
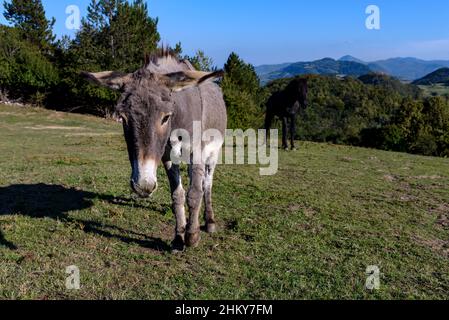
point(56, 202)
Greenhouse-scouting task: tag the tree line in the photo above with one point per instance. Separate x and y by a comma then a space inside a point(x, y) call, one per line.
point(372, 111)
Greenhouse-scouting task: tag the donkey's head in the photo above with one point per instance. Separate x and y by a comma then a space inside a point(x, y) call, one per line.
point(146, 109)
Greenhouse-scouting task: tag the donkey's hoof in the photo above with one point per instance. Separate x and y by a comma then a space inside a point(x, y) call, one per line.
point(193, 239)
point(178, 246)
point(211, 227)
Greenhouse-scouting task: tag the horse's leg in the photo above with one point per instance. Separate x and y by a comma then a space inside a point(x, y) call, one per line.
point(207, 186)
point(284, 133)
point(293, 131)
point(194, 199)
point(178, 206)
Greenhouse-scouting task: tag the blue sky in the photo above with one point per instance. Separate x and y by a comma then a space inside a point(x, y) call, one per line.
point(274, 31)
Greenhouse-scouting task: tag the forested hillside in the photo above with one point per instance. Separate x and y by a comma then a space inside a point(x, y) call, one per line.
point(437, 77)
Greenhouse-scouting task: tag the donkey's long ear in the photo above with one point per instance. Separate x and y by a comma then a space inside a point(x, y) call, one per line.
point(111, 79)
point(179, 81)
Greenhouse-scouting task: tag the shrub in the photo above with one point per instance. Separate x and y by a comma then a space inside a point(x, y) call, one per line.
point(24, 71)
point(243, 112)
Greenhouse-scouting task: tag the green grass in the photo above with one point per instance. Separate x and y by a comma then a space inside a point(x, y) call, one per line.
point(435, 90)
point(308, 232)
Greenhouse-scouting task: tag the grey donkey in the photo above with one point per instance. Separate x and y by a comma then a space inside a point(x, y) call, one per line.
point(165, 95)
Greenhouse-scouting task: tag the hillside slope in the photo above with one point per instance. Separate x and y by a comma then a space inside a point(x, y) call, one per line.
point(437, 77)
point(309, 232)
point(391, 83)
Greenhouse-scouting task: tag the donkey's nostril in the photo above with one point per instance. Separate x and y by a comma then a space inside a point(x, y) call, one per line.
point(151, 188)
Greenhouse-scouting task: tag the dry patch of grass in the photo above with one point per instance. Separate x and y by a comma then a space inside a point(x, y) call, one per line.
point(437, 245)
point(54, 128)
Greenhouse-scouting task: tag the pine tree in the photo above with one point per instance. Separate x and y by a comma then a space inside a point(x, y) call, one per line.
point(134, 34)
point(242, 74)
point(242, 94)
point(116, 35)
point(177, 50)
point(29, 17)
point(201, 62)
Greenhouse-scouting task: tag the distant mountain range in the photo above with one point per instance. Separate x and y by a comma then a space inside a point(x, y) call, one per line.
point(323, 66)
point(406, 69)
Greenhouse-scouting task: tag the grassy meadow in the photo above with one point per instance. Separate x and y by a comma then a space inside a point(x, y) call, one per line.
point(435, 90)
point(308, 232)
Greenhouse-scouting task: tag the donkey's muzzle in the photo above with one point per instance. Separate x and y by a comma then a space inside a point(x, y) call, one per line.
point(145, 189)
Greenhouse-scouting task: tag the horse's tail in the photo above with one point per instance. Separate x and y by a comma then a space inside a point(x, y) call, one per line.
point(268, 114)
point(269, 117)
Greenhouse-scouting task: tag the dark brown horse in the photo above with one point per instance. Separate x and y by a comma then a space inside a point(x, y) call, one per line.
point(286, 105)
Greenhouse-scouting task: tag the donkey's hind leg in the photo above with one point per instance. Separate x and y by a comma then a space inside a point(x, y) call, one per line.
point(209, 216)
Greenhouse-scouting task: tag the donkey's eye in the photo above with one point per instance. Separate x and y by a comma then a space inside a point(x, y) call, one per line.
point(165, 119)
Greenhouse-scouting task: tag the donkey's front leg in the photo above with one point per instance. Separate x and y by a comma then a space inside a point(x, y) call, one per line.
point(178, 206)
point(209, 211)
point(194, 199)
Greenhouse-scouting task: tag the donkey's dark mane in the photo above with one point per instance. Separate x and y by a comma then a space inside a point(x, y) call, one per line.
point(164, 60)
point(160, 53)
